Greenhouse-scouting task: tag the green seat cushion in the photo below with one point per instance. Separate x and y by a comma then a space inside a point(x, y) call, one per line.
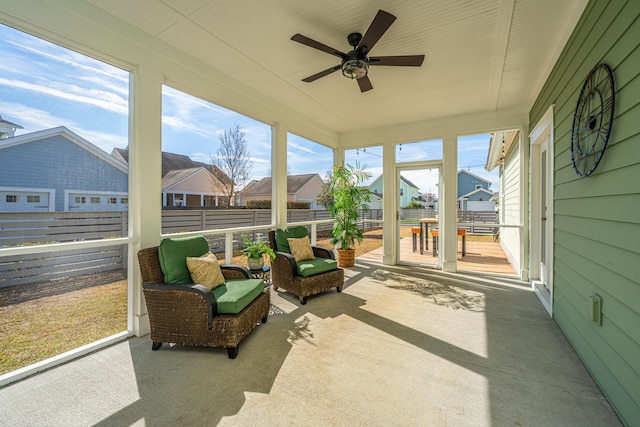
point(290, 233)
point(173, 253)
point(315, 266)
point(235, 295)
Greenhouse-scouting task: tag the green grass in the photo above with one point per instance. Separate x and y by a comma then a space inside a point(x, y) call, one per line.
point(35, 330)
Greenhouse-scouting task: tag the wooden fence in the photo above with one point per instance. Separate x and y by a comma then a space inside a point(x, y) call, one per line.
point(19, 229)
point(478, 222)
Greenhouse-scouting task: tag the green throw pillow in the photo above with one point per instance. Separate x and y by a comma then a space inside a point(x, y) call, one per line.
point(290, 233)
point(173, 253)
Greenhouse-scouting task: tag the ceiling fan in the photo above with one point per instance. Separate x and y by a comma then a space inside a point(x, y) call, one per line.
point(355, 64)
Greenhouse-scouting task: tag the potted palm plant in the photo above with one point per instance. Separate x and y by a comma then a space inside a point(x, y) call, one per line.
point(255, 252)
point(348, 200)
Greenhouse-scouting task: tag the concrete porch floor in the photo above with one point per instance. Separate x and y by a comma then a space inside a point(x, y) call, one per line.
point(399, 346)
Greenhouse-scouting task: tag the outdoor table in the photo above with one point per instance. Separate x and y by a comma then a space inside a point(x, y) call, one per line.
point(263, 273)
point(424, 238)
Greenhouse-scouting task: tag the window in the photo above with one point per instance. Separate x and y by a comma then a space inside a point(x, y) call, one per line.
point(95, 200)
point(239, 147)
point(113, 200)
point(76, 111)
point(124, 200)
point(401, 191)
point(416, 151)
point(478, 186)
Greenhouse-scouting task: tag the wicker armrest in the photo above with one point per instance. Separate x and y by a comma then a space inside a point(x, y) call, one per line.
point(204, 292)
point(290, 260)
point(234, 271)
point(321, 252)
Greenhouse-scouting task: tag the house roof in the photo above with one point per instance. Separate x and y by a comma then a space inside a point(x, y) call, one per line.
point(69, 135)
point(294, 184)
point(173, 161)
point(7, 123)
point(477, 190)
point(176, 176)
point(402, 178)
point(481, 57)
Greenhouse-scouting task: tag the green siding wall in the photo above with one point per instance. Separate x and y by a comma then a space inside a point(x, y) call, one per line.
point(597, 218)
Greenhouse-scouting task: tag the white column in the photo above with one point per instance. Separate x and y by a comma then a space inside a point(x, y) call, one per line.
point(449, 212)
point(390, 196)
point(279, 175)
point(145, 185)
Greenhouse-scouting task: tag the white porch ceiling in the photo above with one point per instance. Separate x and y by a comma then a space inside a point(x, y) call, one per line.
point(481, 55)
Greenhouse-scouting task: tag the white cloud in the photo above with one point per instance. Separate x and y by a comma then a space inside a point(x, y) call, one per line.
point(98, 99)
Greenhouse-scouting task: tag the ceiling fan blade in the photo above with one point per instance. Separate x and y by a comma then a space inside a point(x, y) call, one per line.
point(365, 84)
point(378, 27)
point(317, 45)
point(321, 74)
point(402, 61)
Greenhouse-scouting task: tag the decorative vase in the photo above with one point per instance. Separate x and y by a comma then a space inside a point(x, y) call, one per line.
point(346, 257)
point(255, 263)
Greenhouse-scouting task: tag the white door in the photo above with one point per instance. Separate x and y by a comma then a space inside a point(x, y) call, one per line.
point(541, 255)
point(543, 217)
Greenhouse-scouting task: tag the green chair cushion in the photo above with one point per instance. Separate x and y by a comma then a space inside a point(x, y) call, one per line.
point(173, 253)
point(235, 295)
point(315, 266)
point(290, 233)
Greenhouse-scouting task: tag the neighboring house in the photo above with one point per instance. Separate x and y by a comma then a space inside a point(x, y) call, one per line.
point(73, 176)
point(504, 152)
point(409, 192)
point(186, 182)
point(300, 188)
point(8, 129)
point(474, 193)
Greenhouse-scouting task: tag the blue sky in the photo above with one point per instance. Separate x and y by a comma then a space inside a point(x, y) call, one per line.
point(43, 86)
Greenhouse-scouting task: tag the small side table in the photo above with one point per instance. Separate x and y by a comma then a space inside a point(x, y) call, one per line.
point(263, 273)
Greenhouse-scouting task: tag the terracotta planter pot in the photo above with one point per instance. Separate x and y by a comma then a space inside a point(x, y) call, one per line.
point(346, 257)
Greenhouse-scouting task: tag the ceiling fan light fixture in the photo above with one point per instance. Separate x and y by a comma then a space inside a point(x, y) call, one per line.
point(355, 68)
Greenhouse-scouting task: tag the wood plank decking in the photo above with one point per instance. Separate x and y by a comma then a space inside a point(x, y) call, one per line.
point(486, 257)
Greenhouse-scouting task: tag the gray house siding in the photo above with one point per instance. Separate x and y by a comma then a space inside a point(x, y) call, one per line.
point(467, 183)
point(57, 163)
point(597, 222)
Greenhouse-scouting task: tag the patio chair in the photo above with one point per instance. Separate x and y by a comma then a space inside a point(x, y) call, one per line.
point(192, 314)
point(317, 273)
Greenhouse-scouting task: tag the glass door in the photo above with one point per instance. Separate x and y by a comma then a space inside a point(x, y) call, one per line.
point(418, 199)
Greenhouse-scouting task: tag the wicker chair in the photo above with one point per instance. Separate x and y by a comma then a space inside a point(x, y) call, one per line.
point(186, 314)
point(284, 274)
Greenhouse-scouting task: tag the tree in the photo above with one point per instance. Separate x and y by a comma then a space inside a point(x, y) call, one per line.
point(324, 197)
point(233, 159)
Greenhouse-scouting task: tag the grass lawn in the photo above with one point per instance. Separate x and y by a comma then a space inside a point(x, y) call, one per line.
point(34, 330)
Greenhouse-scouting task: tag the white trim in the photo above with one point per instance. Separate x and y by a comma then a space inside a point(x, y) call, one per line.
point(542, 132)
point(89, 193)
point(51, 362)
point(50, 191)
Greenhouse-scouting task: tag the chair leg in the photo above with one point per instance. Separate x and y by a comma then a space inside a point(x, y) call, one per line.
point(156, 345)
point(339, 289)
point(303, 300)
point(265, 318)
point(232, 352)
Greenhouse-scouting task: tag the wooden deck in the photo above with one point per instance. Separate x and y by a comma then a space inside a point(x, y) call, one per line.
point(486, 257)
